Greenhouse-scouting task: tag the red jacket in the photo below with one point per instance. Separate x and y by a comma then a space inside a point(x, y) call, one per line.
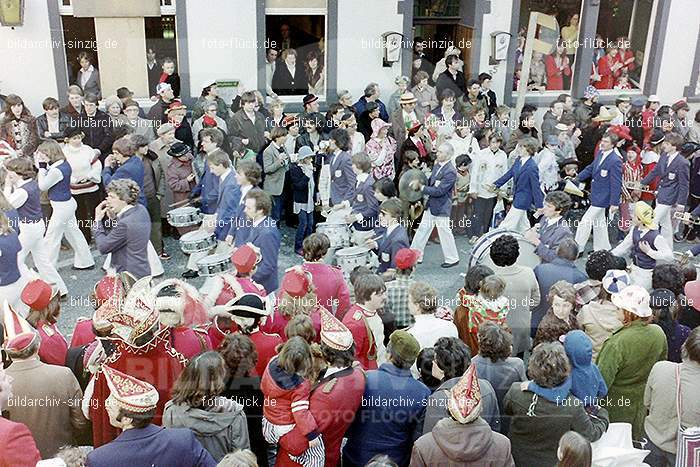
point(250, 286)
point(287, 400)
point(607, 77)
point(217, 334)
point(331, 288)
point(17, 447)
point(365, 346)
point(82, 333)
point(555, 77)
point(266, 346)
point(189, 342)
point(53, 347)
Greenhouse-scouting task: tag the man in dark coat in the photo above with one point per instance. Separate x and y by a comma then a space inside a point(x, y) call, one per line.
point(132, 407)
point(264, 234)
point(451, 78)
point(249, 124)
point(289, 77)
point(96, 126)
point(371, 94)
point(157, 112)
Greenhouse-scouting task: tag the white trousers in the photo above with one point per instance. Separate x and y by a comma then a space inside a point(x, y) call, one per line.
point(63, 223)
point(208, 220)
point(662, 213)
point(447, 240)
point(516, 219)
point(594, 218)
point(153, 261)
point(13, 294)
point(32, 240)
point(641, 277)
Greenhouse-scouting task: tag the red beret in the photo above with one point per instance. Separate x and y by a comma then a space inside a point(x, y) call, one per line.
point(245, 258)
point(296, 282)
point(406, 258)
point(37, 294)
point(21, 341)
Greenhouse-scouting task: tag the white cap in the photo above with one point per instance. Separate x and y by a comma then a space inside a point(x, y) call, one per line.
point(162, 87)
point(654, 98)
point(207, 83)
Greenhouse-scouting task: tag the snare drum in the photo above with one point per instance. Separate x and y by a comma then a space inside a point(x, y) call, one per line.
point(352, 257)
point(482, 248)
point(199, 240)
point(337, 233)
point(214, 264)
point(186, 216)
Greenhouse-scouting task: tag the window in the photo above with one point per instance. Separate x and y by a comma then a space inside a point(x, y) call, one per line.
point(160, 44)
point(300, 44)
point(553, 56)
point(78, 37)
point(434, 8)
point(621, 39)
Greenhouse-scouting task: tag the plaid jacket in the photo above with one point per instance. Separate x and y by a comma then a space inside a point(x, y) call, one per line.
point(397, 300)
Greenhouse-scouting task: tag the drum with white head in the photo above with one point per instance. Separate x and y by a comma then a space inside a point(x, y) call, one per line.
point(352, 257)
point(214, 264)
point(338, 233)
point(185, 216)
point(480, 253)
point(199, 240)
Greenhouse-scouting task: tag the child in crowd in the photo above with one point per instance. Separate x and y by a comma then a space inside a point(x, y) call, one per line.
point(489, 304)
point(286, 416)
point(461, 209)
point(631, 173)
point(392, 239)
point(587, 384)
point(170, 76)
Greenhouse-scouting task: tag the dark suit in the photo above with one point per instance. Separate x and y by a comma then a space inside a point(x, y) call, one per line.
point(673, 180)
point(343, 179)
point(126, 237)
point(388, 245)
point(606, 179)
point(284, 84)
point(152, 446)
point(365, 203)
point(439, 189)
point(97, 130)
point(526, 184)
point(131, 169)
point(229, 200)
point(92, 86)
point(446, 81)
point(551, 235)
point(42, 126)
point(266, 236)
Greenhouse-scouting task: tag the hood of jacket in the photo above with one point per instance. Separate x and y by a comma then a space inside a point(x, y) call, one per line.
point(204, 422)
point(463, 442)
point(579, 348)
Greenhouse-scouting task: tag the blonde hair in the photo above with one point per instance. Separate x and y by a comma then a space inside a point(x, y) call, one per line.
point(52, 149)
point(492, 287)
point(292, 306)
point(425, 296)
point(239, 458)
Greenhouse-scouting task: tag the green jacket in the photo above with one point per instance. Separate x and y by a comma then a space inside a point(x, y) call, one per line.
point(625, 362)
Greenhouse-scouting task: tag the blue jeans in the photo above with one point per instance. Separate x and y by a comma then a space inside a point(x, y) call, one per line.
point(304, 229)
point(277, 208)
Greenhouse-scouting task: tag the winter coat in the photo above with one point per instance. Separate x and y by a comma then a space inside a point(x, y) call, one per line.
point(523, 292)
point(221, 430)
point(599, 320)
point(537, 424)
point(468, 444)
point(625, 363)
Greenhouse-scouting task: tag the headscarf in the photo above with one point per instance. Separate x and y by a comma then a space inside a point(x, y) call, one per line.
point(645, 214)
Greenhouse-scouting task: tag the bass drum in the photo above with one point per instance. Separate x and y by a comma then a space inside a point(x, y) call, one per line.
point(482, 248)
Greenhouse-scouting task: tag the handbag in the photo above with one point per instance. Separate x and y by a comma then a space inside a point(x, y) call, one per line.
point(688, 439)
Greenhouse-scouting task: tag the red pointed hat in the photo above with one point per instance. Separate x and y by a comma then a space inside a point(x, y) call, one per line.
point(296, 282)
point(464, 403)
point(406, 258)
point(334, 333)
point(13, 323)
point(245, 258)
point(130, 393)
point(37, 294)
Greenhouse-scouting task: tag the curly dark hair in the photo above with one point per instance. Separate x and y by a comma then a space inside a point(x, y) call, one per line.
point(452, 356)
point(598, 263)
point(476, 274)
point(549, 365)
point(239, 355)
point(338, 358)
point(504, 251)
point(424, 363)
point(668, 276)
point(495, 342)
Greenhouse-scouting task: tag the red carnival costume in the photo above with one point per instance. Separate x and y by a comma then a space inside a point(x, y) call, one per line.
point(331, 289)
point(366, 346)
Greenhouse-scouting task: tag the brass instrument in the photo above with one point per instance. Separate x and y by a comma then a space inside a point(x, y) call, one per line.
point(636, 186)
point(682, 258)
point(503, 194)
point(686, 217)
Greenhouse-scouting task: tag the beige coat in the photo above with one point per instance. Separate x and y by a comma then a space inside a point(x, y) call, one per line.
point(47, 399)
point(599, 321)
point(523, 294)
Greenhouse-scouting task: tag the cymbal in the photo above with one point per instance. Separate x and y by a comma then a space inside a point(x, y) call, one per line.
point(406, 193)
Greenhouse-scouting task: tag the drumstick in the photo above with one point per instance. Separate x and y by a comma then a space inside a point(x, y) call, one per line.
point(185, 202)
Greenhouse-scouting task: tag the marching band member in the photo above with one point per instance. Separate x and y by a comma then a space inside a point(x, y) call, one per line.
point(331, 289)
point(23, 193)
point(207, 190)
point(394, 237)
point(439, 191)
point(343, 178)
point(246, 259)
point(124, 164)
point(180, 177)
point(43, 302)
point(363, 204)
point(646, 245)
point(264, 234)
point(12, 282)
point(126, 231)
point(605, 173)
point(552, 228)
point(673, 171)
point(364, 322)
point(488, 165)
point(526, 186)
point(248, 176)
point(301, 174)
point(182, 310)
point(55, 174)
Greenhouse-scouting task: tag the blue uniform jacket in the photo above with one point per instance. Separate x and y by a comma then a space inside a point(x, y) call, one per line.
point(674, 180)
point(9, 267)
point(228, 204)
point(126, 237)
point(364, 202)
point(606, 179)
point(266, 236)
point(388, 245)
point(343, 179)
point(152, 446)
point(131, 169)
point(381, 428)
point(439, 189)
point(208, 191)
point(526, 184)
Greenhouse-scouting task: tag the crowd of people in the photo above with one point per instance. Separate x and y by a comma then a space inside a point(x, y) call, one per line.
point(530, 362)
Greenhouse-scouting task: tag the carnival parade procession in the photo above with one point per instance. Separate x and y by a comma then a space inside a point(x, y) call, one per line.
point(350, 233)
